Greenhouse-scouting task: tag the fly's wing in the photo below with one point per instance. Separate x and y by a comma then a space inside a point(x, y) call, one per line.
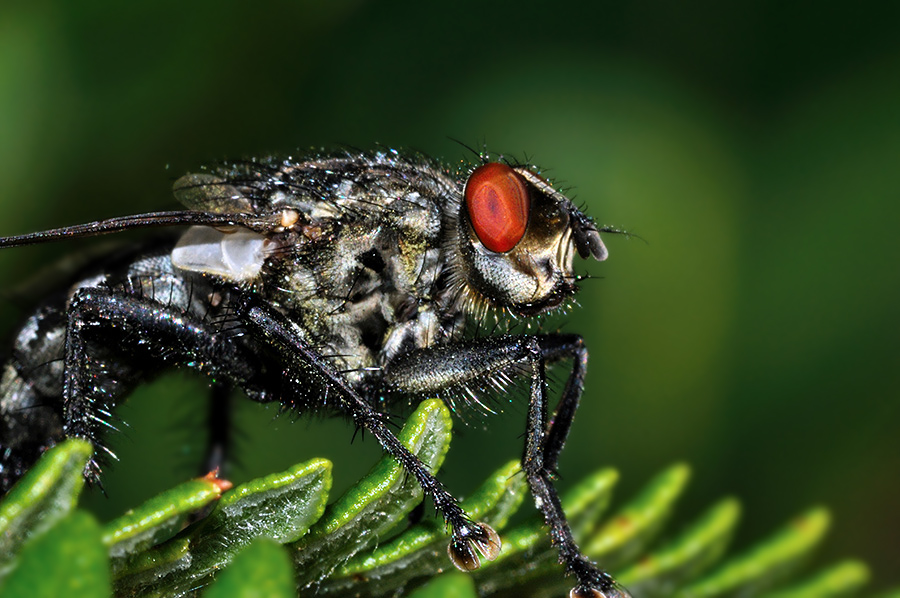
point(203, 192)
point(235, 254)
point(265, 197)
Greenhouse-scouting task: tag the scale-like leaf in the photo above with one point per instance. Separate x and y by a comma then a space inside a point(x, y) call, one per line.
point(158, 519)
point(339, 553)
point(69, 559)
point(261, 570)
point(46, 494)
point(616, 542)
point(630, 530)
point(453, 584)
point(764, 565)
point(367, 512)
point(526, 555)
point(139, 571)
point(842, 579)
point(685, 557)
point(422, 550)
point(281, 507)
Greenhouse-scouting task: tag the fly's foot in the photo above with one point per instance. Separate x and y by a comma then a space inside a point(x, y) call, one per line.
point(470, 540)
point(593, 582)
point(592, 592)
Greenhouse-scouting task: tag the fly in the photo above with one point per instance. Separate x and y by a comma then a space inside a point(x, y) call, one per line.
point(343, 282)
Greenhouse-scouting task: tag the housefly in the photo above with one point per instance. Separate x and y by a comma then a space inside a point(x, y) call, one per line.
point(345, 282)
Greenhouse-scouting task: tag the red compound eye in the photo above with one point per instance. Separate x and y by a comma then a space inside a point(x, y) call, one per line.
point(498, 206)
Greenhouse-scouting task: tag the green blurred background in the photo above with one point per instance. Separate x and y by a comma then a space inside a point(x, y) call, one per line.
point(754, 146)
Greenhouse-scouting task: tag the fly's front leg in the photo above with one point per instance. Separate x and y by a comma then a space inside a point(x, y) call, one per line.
point(468, 539)
point(554, 348)
point(456, 365)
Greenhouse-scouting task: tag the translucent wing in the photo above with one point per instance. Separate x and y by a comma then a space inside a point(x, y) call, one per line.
point(210, 193)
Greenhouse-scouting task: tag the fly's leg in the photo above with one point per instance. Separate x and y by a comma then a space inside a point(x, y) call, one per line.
point(219, 424)
point(104, 324)
point(468, 539)
point(542, 448)
point(455, 365)
point(561, 422)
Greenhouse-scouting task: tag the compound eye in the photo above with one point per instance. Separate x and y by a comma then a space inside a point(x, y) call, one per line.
point(498, 205)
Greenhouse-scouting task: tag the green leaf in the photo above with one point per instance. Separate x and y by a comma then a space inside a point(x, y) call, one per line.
point(619, 540)
point(842, 579)
point(281, 507)
point(765, 564)
point(634, 526)
point(367, 512)
point(261, 570)
point(453, 584)
point(69, 559)
point(46, 494)
point(141, 569)
point(158, 519)
point(422, 550)
point(685, 557)
point(583, 505)
point(526, 553)
point(241, 537)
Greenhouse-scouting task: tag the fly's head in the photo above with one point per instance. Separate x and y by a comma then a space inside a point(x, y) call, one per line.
point(515, 241)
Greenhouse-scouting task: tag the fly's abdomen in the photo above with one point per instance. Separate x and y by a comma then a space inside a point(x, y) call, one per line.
point(32, 404)
point(31, 407)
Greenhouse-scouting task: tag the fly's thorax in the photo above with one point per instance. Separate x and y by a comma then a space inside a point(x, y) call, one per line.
point(361, 285)
point(403, 232)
